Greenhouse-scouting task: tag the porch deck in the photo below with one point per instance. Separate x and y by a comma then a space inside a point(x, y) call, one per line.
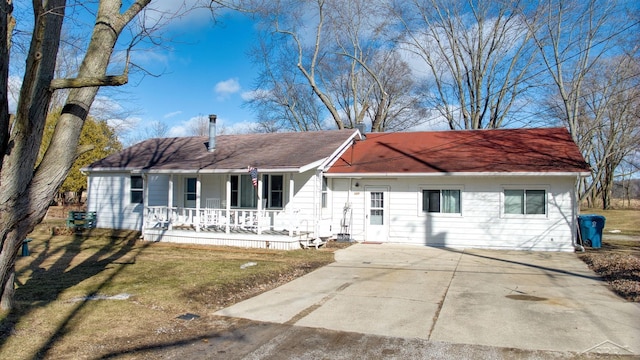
point(279, 240)
point(242, 228)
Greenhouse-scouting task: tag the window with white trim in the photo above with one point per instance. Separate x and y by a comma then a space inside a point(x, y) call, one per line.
point(441, 201)
point(190, 192)
point(136, 188)
point(525, 202)
point(243, 193)
point(325, 194)
point(273, 190)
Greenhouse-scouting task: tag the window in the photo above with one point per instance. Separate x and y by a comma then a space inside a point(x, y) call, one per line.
point(190, 192)
point(441, 201)
point(243, 193)
point(137, 189)
point(273, 190)
point(324, 192)
point(376, 208)
point(520, 201)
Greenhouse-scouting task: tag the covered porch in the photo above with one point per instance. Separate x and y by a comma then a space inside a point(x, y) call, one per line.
point(225, 209)
point(210, 226)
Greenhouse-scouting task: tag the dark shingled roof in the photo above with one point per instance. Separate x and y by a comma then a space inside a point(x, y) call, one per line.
point(233, 152)
point(465, 151)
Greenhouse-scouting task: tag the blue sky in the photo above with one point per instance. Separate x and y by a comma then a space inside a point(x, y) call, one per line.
point(203, 69)
point(206, 70)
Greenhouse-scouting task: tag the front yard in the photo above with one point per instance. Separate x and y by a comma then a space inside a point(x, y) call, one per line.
point(106, 294)
point(148, 292)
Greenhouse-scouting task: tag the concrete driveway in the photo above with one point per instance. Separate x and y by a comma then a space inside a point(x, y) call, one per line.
point(523, 300)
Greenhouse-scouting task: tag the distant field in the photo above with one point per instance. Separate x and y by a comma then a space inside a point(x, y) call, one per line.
point(624, 222)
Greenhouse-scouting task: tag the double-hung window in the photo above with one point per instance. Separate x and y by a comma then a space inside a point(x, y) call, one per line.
point(243, 193)
point(273, 190)
point(325, 194)
point(441, 201)
point(137, 190)
point(190, 192)
point(525, 202)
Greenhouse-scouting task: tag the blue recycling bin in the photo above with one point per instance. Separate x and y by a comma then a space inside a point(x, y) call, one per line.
point(25, 246)
point(591, 229)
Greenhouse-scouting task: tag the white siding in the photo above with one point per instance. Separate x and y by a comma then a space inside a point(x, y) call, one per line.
point(306, 195)
point(481, 223)
point(109, 196)
point(339, 198)
point(158, 189)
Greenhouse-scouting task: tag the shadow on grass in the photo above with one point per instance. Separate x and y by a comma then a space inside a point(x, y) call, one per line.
point(46, 284)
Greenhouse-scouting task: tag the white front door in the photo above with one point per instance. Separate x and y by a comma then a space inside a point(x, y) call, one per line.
point(376, 213)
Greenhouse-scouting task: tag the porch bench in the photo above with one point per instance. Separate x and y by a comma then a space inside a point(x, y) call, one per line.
point(81, 220)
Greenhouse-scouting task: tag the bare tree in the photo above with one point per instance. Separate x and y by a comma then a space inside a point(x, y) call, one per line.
point(282, 99)
point(575, 38)
point(477, 55)
point(27, 189)
point(341, 55)
point(612, 101)
point(199, 126)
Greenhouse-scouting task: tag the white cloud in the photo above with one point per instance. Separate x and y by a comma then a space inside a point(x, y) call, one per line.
point(242, 127)
point(122, 126)
point(104, 107)
point(255, 94)
point(227, 87)
point(185, 127)
point(172, 114)
point(178, 130)
point(180, 13)
point(225, 126)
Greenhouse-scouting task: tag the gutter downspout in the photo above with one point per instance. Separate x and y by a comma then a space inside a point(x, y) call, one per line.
point(579, 246)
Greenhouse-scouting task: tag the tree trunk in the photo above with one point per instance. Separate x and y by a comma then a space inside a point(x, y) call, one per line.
point(26, 193)
point(19, 203)
point(7, 301)
point(6, 21)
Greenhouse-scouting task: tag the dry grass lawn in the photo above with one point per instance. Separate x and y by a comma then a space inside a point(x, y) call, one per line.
point(151, 285)
point(622, 222)
point(146, 289)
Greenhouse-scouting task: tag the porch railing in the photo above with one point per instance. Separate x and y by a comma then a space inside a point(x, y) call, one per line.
point(256, 221)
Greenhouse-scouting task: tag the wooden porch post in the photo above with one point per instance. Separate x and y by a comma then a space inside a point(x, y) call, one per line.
point(259, 206)
point(145, 200)
point(228, 205)
point(291, 202)
point(170, 202)
point(197, 217)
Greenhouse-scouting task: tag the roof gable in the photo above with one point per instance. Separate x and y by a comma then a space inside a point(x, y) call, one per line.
point(465, 151)
point(273, 151)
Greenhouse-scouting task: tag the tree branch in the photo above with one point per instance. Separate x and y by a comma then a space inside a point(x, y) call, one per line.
point(112, 80)
point(82, 82)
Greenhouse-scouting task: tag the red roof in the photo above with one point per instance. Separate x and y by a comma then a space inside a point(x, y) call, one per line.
point(466, 151)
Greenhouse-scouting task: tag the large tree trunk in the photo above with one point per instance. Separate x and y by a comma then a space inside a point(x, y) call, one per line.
point(20, 210)
point(6, 21)
point(26, 192)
